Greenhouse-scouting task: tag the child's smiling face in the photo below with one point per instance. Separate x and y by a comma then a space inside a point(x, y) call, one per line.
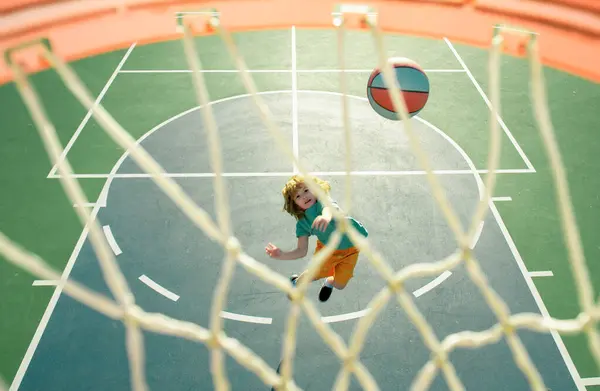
point(303, 197)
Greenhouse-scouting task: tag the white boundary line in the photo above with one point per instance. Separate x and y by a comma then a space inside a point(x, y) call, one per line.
point(103, 194)
point(90, 111)
point(437, 281)
point(45, 283)
point(51, 305)
point(86, 205)
point(246, 318)
point(489, 105)
point(591, 381)
point(111, 240)
point(158, 288)
point(284, 174)
point(371, 70)
point(477, 235)
point(294, 100)
point(343, 317)
point(141, 71)
point(538, 299)
point(545, 273)
point(496, 199)
point(510, 171)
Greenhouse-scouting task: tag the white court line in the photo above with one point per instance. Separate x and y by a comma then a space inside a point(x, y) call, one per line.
point(51, 305)
point(510, 171)
point(246, 318)
point(477, 235)
point(203, 71)
point(371, 70)
point(591, 381)
point(294, 101)
point(495, 199)
point(104, 194)
point(90, 111)
point(489, 105)
point(545, 273)
point(158, 288)
point(283, 174)
point(111, 240)
point(343, 317)
point(45, 283)
point(437, 281)
point(538, 299)
point(134, 71)
point(86, 205)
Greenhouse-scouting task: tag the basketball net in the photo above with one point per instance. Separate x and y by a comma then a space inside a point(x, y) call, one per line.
point(135, 319)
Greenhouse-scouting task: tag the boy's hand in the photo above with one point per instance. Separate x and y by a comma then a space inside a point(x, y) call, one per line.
point(273, 251)
point(321, 223)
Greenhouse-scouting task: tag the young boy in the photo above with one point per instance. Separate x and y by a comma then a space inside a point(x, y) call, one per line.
point(313, 218)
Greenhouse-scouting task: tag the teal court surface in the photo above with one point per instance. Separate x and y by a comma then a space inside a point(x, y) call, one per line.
point(172, 267)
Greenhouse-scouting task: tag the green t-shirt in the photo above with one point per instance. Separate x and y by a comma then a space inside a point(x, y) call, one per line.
point(304, 226)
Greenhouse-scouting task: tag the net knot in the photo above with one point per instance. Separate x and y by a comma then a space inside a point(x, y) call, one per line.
point(588, 321)
point(395, 284)
point(128, 301)
point(350, 361)
point(296, 295)
point(131, 313)
point(439, 357)
point(233, 247)
point(467, 252)
point(342, 225)
point(213, 341)
point(507, 326)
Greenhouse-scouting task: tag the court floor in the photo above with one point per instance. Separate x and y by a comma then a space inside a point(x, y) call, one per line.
point(172, 267)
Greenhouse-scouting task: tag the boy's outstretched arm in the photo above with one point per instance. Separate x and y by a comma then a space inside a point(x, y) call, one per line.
point(300, 251)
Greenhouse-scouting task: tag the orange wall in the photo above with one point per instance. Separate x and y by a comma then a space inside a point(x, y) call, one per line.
point(15, 5)
point(569, 38)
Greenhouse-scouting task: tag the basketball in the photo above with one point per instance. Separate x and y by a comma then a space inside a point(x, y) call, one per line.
point(414, 86)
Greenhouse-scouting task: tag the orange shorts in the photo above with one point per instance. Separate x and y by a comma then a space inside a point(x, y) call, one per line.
point(340, 264)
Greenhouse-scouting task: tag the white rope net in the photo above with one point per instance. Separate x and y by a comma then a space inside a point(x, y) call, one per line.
point(136, 319)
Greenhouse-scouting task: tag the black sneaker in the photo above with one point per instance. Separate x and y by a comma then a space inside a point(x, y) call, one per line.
point(325, 292)
point(293, 279)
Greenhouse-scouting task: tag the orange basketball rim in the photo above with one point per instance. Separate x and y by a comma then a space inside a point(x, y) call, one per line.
point(568, 30)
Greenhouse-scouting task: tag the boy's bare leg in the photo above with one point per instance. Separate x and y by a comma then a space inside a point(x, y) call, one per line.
point(330, 282)
point(327, 287)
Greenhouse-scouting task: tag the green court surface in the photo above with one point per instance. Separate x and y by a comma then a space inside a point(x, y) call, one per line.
point(153, 86)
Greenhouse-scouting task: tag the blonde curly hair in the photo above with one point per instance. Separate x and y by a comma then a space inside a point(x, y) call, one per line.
point(289, 192)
